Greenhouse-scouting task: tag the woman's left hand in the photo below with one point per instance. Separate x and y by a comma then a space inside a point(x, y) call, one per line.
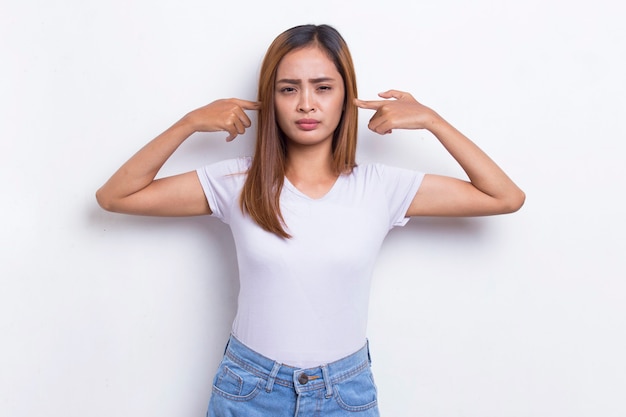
point(404, 112)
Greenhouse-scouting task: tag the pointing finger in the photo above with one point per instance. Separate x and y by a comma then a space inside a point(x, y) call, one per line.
point(368, 104)
point(247, 104)
point(397, 94)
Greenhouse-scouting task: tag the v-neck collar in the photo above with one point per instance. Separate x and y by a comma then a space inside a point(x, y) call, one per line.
point(288, 184)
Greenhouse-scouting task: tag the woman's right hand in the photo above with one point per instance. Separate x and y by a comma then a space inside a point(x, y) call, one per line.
point(226, 115)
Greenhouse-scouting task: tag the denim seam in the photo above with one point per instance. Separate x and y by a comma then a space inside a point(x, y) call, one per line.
point(255, 370)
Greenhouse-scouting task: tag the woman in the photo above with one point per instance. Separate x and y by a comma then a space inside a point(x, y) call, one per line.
point(307, 221)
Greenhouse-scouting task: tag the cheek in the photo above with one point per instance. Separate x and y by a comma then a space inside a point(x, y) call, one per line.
point(338, 108)
point(278, 109)
point(280, 115)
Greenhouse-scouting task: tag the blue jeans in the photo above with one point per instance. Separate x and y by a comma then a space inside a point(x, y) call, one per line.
point(248, 384)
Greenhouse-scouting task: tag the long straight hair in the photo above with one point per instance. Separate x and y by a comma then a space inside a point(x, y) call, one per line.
point(260, 196)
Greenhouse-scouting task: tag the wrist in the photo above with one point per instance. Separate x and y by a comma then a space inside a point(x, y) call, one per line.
point(186, 125)
point(434, 121)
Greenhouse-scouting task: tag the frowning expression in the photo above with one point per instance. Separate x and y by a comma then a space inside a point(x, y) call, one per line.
point(309, 96)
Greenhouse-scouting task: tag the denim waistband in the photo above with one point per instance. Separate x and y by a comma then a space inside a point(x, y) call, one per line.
point(301, 380)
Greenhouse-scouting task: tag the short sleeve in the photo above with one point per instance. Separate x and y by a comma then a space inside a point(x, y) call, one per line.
point(400, 186)
point(222, 183)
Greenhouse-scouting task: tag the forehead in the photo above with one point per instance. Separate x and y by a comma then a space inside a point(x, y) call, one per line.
point(307, 62)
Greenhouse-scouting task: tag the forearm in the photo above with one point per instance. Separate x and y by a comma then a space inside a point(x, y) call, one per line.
point(482, 171)
point(141, 169)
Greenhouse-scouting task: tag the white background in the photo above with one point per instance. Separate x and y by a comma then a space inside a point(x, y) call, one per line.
point(518, 315)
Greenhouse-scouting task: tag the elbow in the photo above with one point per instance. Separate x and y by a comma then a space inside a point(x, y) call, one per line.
point(105, 201)
point(514, 202)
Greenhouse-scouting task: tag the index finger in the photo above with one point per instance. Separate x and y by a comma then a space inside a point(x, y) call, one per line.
point(397, 94)
point(247, 104)
point(369, 104)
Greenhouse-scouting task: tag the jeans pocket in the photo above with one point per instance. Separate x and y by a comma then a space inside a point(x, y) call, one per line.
point(235, 383)
point(357, 393)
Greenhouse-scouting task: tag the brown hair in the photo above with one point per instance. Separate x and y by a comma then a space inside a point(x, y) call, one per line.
point(261, 192)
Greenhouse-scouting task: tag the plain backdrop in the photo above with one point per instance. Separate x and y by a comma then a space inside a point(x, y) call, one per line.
point(518, 315)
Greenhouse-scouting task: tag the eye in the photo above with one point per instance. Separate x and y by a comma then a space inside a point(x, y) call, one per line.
point(287, 90)
point(324, 88)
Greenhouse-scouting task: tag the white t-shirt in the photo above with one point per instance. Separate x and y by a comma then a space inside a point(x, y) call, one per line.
point(304, 301)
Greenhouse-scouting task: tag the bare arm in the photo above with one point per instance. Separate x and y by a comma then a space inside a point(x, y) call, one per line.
point(488, 191)
point(133, 189)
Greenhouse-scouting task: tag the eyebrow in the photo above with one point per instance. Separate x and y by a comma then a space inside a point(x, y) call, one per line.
point(311, 80)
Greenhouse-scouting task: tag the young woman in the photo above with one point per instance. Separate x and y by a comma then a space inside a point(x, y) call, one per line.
point(307, 221)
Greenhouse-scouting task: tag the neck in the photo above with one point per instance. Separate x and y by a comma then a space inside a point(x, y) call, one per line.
point(309, 163)
point(311, 172)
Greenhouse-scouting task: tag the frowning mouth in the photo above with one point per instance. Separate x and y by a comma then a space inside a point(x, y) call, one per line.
point(307, 124)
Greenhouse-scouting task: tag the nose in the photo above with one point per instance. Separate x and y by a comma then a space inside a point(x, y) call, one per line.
point(305, 104)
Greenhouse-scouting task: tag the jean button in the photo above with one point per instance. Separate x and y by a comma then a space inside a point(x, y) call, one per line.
point(303, 378)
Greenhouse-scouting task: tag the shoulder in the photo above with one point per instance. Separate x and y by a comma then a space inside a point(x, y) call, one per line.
point(222, 182)
point(229, 166)
point(390, 181)
point(383, 172)
point(227, 173)
point(235, 167)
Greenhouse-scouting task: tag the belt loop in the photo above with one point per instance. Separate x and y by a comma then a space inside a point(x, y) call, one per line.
point(329, 386)
point(272, 377)
point(369, 356)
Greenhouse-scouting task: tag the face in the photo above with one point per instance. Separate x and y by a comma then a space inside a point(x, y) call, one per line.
point(308, 97)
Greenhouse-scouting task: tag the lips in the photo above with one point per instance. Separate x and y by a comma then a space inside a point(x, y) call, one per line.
point(307, 124)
